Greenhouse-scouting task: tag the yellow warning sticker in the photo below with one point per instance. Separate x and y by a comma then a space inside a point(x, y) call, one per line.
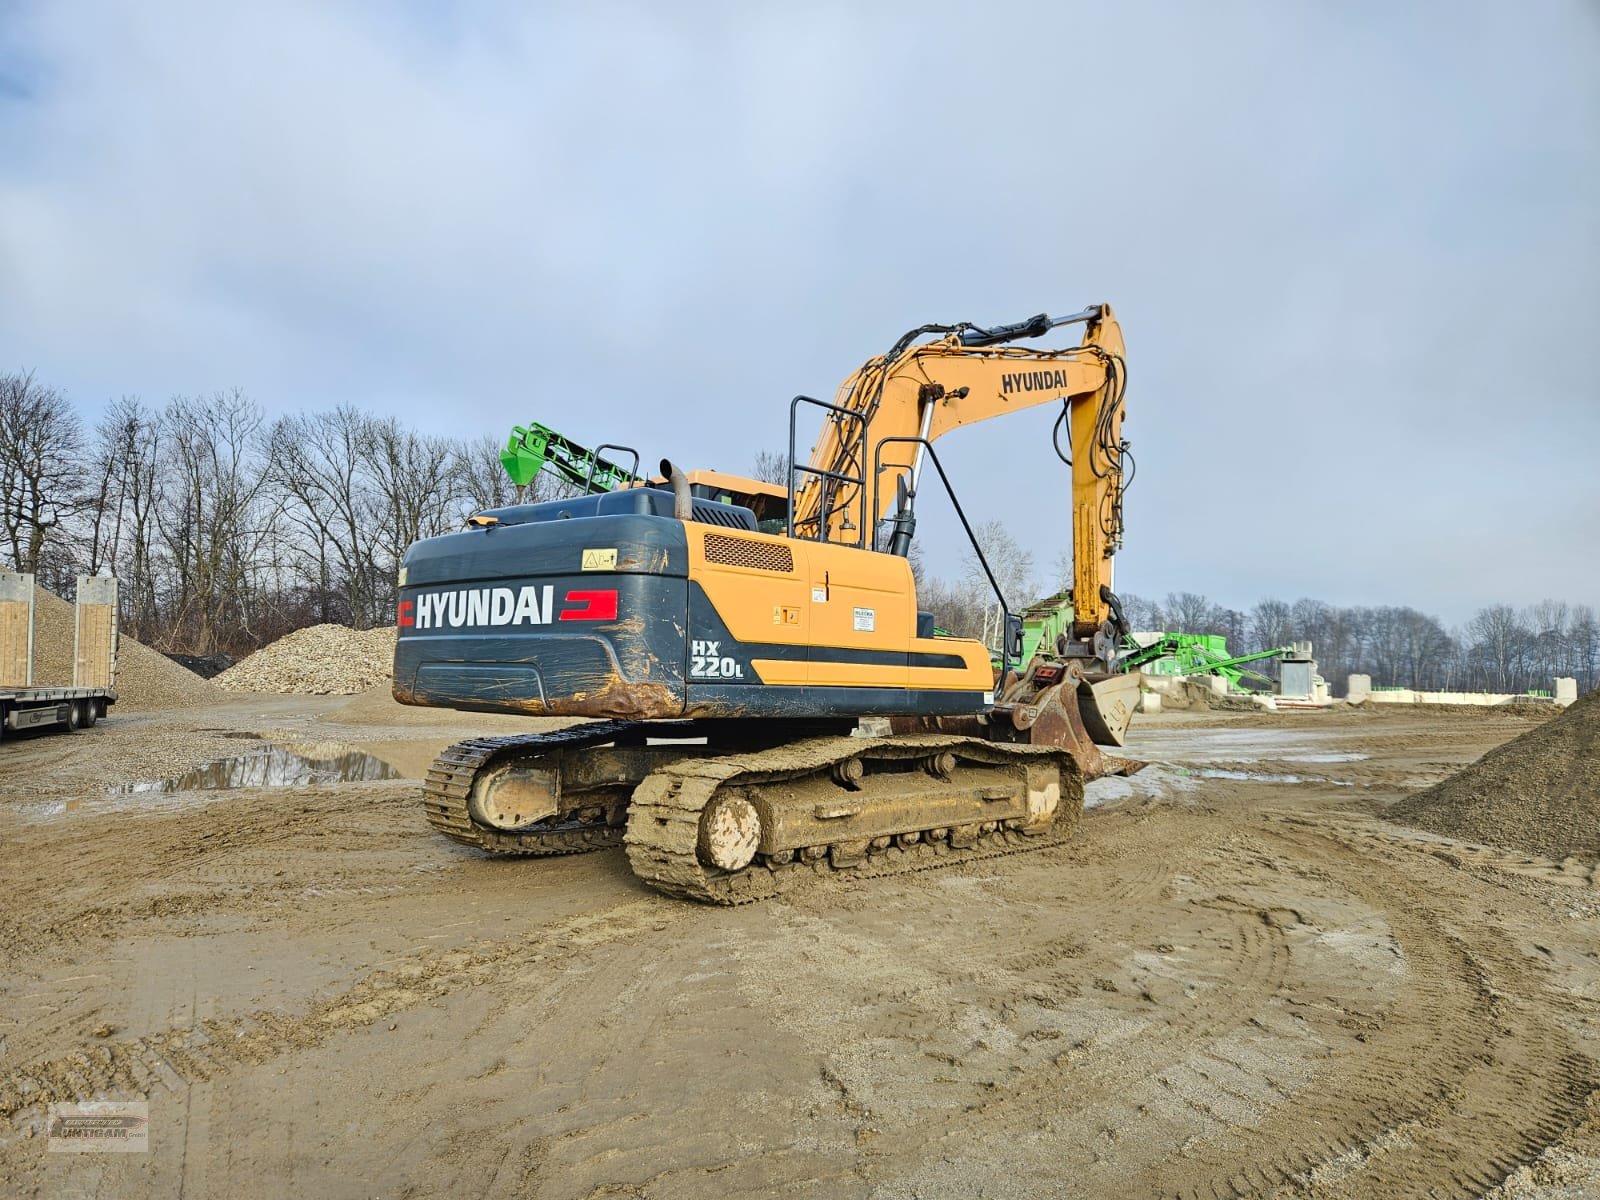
point(600, 560)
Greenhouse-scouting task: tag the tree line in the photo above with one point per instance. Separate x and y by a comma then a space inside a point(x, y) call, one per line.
point(226, 528)
point(229, 529)
point(1502, 648)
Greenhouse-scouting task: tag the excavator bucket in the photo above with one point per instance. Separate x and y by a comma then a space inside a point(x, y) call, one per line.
point(1107, 705)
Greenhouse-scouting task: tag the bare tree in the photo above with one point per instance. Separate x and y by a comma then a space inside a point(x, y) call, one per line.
point(319, 461)
point(1271, 626)
point(480, 480)
point(1011, 562)
point(41, 466)
point(1063, 573)
point(1187, 612)
point(1500, 638)
point(1142, 614)
point(210, 518)
point(412, 478)
point(1585, 642)
point(771, 466)
point(139, 564)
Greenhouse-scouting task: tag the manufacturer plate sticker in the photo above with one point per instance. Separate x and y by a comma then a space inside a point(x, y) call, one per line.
point(600, 560)
point(866, 620)
point(819, 595)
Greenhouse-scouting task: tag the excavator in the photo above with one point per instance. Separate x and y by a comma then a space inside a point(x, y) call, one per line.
point(766, 701)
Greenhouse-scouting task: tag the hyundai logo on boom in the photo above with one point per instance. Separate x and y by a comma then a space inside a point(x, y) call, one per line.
point(1033, 381)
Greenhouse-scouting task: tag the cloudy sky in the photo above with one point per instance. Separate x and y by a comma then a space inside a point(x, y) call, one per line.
point(1355, 248)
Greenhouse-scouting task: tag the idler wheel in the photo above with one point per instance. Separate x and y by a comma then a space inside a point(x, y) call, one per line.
point(730, 831)
point(514, 798)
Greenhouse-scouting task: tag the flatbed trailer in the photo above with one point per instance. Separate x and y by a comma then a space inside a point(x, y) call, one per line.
point(42, 707)
point(25, 705)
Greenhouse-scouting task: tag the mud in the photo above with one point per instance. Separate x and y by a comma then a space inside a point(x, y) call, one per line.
point(295, 764)
point(1220, 987)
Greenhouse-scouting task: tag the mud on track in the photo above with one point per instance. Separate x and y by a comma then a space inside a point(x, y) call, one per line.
point(1223, 986)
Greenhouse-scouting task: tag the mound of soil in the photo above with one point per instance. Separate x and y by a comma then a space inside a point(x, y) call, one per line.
point(146, 679)
point(1539, 792)
point(323, 660)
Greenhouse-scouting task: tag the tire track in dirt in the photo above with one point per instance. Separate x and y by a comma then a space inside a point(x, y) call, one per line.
point(109, 866)
point(177, 1057)
point(990, 1103)
point(1457, 1086)
point(1272, 1084)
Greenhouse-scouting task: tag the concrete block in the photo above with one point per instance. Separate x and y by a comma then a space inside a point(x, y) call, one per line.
point(1566, 690)
point(1219, 685)
point(1296, 677)
point(1149, 702)
point(1359, 689)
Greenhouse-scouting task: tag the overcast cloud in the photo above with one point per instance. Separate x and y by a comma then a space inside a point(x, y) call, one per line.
point(1355, 248)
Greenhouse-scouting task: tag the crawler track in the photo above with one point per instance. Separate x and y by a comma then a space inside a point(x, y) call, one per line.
point(449, 782)
point(664, 816)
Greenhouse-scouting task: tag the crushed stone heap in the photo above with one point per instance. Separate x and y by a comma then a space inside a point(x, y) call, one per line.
point(1539, 792)
point(323, 660)
point(145, 679)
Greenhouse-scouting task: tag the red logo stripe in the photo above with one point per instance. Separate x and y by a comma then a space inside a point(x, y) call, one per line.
point(405, 616)
point(597, 606)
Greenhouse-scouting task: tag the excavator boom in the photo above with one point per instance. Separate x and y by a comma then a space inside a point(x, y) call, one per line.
point(974, 374)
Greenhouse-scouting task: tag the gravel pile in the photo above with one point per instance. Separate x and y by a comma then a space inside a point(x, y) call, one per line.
point(145, 679)
point(1539, 792)
point(324, 660)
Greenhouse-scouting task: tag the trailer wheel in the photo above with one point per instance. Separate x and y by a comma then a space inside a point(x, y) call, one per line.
point(91, 713)
point(74, 716)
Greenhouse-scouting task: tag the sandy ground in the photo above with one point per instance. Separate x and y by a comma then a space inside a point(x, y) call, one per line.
point(1237, 980)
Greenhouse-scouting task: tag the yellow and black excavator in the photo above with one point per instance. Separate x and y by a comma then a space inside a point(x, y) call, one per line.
point(733, 636)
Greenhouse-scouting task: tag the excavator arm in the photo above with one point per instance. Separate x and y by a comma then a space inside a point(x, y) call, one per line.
point(922, 391)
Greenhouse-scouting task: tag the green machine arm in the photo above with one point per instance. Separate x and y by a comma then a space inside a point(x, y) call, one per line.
point(534, 448)
point(1197, 653)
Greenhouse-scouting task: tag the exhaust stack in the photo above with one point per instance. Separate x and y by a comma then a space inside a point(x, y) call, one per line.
point(682, 501)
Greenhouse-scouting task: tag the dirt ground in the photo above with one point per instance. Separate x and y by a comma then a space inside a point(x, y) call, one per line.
point(1237, 980)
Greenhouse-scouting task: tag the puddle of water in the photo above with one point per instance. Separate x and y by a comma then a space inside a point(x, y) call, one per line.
point(1157, 781)
point(1261, 776)
point(1167, 780)
point(272, 766)
point(1233, 745)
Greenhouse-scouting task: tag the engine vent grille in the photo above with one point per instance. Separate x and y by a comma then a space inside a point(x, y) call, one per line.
point(732, 518)
point(741, 552)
